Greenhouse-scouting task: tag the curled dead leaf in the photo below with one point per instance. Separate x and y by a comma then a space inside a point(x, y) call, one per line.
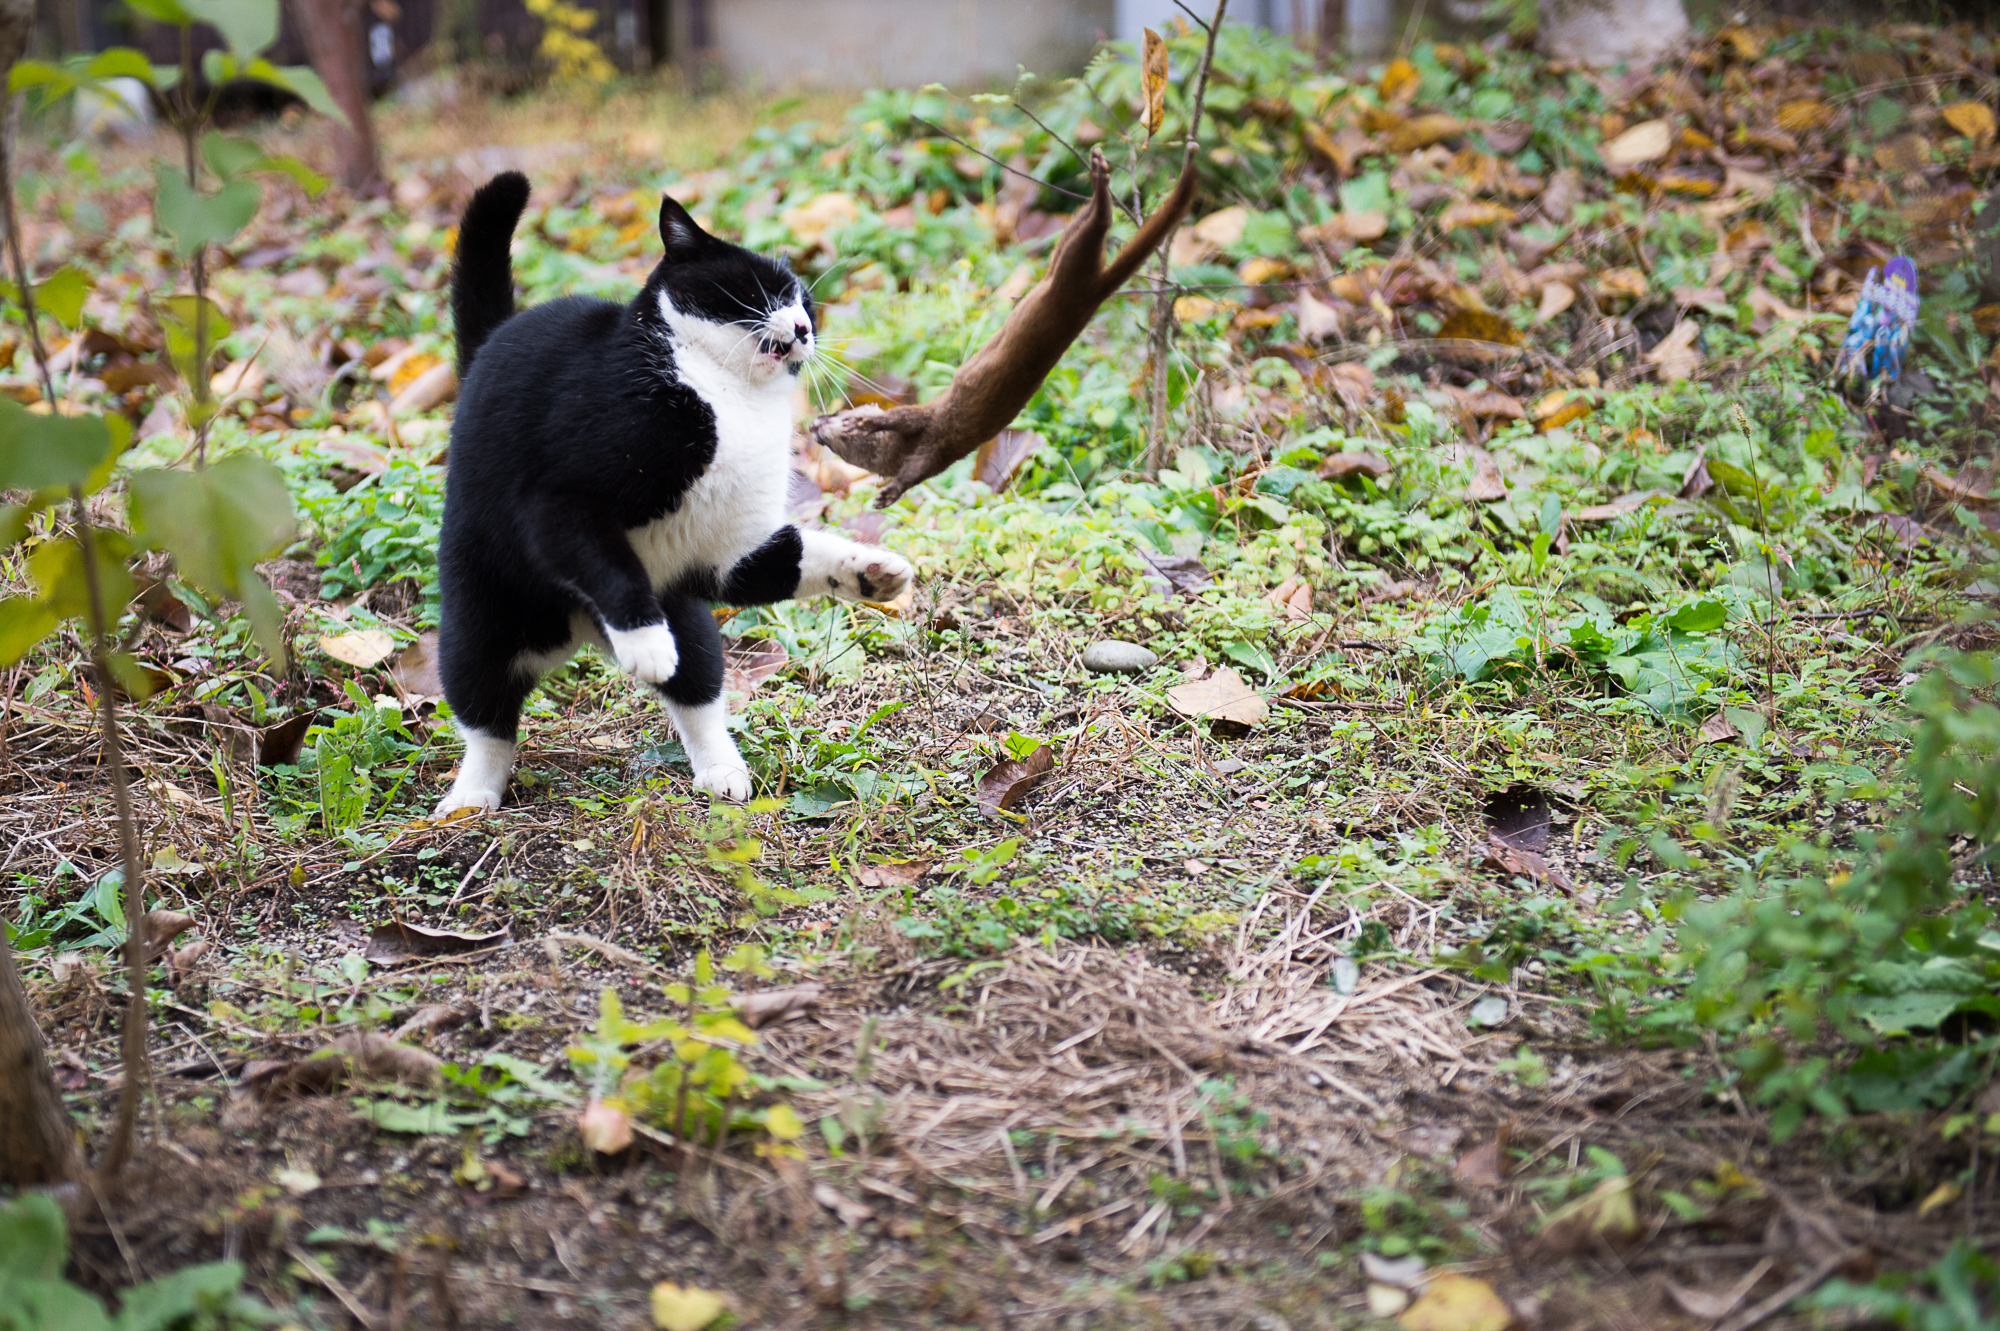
point(900, 873)
point(1010, 779)
point(367, 1056)
point(767, 1005)
point(415, 672)
point(1000, 458)
point(1603, 1217)
point(1648, 141)
point(1454, 1302)
point(397, 941)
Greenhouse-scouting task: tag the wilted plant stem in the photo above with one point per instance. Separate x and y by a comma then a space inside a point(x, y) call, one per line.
point(1162, 337)
point(190, 120)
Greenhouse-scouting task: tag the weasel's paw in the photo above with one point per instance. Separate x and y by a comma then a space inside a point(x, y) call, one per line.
point(724, 780)
point(871, 574)
point(648, 653)
point(486, 800)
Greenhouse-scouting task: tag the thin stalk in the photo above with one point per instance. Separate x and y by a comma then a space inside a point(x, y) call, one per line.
point(1162, 333)
point(133, 1036)
point(9, 123)
point(189, 121)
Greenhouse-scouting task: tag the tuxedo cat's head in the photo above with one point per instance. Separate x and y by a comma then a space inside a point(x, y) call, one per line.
point(750, 314)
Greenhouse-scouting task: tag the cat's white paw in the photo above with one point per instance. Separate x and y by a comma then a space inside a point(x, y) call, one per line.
point(649, 653)
point(867, 573)
point(486, 799)
point(730, 782)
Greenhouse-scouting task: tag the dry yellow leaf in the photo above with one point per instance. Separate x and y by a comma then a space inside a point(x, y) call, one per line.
point(684, 1308)
point(1400, 81)
point(811, 220)
point(361, 649)
point(1647, 141)
point(1224, 228)
point(1423, 131)
point(1223, 696)
point(1626, 283)
point(1904, 153)
point(1453, 1302)
point(1802, 114)
point(1471, 213)
point(1255, 272)
point(1676, 354)
point(1972, 119)
point(1556, 297)
point(408, 369)
point(1154, 78)
point(1193, 309)
point(1480, 326)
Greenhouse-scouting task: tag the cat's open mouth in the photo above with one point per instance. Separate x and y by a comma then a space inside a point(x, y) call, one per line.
point(782, 348)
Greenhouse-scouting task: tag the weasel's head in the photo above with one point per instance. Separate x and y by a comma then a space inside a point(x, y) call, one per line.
point(750, 313)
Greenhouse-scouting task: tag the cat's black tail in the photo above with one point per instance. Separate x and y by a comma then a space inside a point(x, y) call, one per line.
point(482, 275)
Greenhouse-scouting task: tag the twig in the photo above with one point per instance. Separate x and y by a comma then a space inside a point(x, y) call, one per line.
point(1162, 334)
point(1771, 1307)
point(1011, 170)
point(333, 1286)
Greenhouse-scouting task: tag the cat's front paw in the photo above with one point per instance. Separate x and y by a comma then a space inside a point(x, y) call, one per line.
point(730, 782)
point(649, 653)
point(867, 573)
point(485, 799)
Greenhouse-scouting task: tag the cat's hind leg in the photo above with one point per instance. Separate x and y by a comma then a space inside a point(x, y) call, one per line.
point(695, 702)
point(485, 687)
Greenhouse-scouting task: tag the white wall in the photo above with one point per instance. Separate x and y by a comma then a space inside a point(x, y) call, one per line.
point(964, 44)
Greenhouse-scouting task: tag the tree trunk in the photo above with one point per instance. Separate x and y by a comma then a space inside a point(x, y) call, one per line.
point(1610, 32)
point(37, 1147)
point(333, 40)
point(1370, 28)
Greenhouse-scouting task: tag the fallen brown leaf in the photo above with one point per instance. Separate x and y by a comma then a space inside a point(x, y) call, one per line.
point(1000, 458)
point(1008, 780)
point(902, 873)
point(397, 941)
point(1454, 1302)
point(767, 1005)
point(1222, 697)
point(361, 649)
point(1340, 466)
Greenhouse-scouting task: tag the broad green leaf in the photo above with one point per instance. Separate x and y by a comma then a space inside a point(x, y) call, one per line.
point(229, 156)
point(13, 524)
point(120, 62)
point(178, 318)
point(163, 11)
point(131, 676)
point(40, 452)
point(51, 1303)
point(247, 26)
point(34, 1242)
point(171, 1300)
point(1899, 1014)
point(217, 523)
point(1700, 617)
point(52, 79)
point(430, 1118)
point(301, 82)
point(232, 157)
point(194, 219)
point(220, 67)
point(62, 292)
point(63, 592)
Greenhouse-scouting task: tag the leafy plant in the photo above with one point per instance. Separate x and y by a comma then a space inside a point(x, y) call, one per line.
point(1958, 1292)
point(344, 761)
point(34, 1296)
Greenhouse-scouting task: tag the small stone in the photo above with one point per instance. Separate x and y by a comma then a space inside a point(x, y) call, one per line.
point(1112, 657)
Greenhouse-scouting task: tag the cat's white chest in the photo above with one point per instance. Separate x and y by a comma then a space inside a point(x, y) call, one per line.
point(739, 500)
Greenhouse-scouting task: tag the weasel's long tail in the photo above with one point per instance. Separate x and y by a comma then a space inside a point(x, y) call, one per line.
point(482, 275)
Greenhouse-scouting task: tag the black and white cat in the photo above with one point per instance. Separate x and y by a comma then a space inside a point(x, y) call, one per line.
point(615, 469)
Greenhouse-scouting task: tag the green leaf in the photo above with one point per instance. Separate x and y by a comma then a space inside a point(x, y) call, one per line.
point(34, 1243)
point(247, 26)
point(40, 452)
point(120, 62)
point(194, 219)
point(163, 11)
point(53, 79)
point(217, 523)
point(171, 1300)
point(62, 592)
point(177, 318)
point(231, 157)
point(13, 524)
point(431, 1118)
point(1700, 617)
point(301, 82)
point(61, 293)
point(1899, 1014)
point(24, 621)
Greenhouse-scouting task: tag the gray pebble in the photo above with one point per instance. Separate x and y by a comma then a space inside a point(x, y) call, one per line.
point(1112, 657)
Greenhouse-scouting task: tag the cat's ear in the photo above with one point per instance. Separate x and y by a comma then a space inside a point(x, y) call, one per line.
point(679, 232)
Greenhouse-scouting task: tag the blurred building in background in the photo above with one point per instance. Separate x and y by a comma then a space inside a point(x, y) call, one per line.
point(768, 44)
